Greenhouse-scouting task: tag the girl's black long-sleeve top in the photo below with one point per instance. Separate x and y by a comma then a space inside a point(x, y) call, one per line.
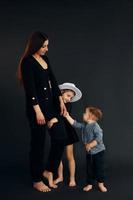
point(38, 82)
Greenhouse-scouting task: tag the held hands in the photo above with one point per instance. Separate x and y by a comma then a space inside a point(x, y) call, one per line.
point(51, 122)
point(62, 106)
point(66, 114)
point(69, 118)
point(63, 109)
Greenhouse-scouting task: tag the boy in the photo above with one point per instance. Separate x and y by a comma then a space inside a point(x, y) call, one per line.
point(92, 137)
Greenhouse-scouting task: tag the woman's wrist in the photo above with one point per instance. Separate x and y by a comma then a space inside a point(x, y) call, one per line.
point(37, 109)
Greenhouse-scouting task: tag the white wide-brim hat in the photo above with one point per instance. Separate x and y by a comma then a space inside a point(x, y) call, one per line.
point(71, 86)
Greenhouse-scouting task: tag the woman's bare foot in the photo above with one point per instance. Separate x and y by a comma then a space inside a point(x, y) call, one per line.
point(102, 187)
point(87, 188)
point(49, 177)
point(58, 180)
point(72, 183)
point(41, 187)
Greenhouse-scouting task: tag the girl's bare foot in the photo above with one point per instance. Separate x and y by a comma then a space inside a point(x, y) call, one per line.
point(102, 187)
point(58, 180)
point(87, 188)
point(49, 177)
point(41, 187)
point(72, 183)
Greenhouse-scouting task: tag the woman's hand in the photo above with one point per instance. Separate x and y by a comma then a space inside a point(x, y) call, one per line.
point(40, 118)
point(39, 115)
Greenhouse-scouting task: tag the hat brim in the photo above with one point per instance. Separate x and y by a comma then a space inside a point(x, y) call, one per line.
point(78, 93)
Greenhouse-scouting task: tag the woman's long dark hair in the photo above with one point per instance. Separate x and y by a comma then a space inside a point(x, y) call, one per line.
point(35, 42)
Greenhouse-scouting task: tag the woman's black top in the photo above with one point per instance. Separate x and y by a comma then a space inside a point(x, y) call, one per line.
point(40, 86)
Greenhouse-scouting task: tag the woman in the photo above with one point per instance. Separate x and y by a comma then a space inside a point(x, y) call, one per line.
point(43, 102)
point(70, 93)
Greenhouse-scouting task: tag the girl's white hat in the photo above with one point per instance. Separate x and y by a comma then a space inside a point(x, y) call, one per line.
point(71, 86)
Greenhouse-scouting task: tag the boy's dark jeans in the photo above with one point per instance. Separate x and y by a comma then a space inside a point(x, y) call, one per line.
point(95, 167)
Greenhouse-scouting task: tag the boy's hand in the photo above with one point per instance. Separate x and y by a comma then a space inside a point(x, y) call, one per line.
point(66, 114)
point(69, 118)
point(51, 122)
point(88, 147)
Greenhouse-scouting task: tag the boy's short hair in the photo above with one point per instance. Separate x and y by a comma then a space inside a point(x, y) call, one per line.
point(96, 112)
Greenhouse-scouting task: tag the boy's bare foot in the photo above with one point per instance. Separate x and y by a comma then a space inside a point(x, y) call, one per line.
point(58, 180)
point(49, 177)
point(72, 183)
point(41, 187)
point(102, 187)
point(87, 188)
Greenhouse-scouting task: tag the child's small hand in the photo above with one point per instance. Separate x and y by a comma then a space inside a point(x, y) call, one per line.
point(88, 147)
point(66, 114)
point(51, 122)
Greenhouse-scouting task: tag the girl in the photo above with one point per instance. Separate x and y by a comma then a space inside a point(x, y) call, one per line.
point(70, 93)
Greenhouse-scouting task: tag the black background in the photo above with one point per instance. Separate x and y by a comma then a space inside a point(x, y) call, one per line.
point(91, 45)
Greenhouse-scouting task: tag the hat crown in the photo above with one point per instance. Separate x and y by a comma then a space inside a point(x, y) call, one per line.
point(70, 84)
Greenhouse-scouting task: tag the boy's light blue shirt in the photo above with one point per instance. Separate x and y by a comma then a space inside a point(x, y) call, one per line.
point(91, 131)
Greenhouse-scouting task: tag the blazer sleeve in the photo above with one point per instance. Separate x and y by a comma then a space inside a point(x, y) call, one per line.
point(28, 81)
point(54, 84)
